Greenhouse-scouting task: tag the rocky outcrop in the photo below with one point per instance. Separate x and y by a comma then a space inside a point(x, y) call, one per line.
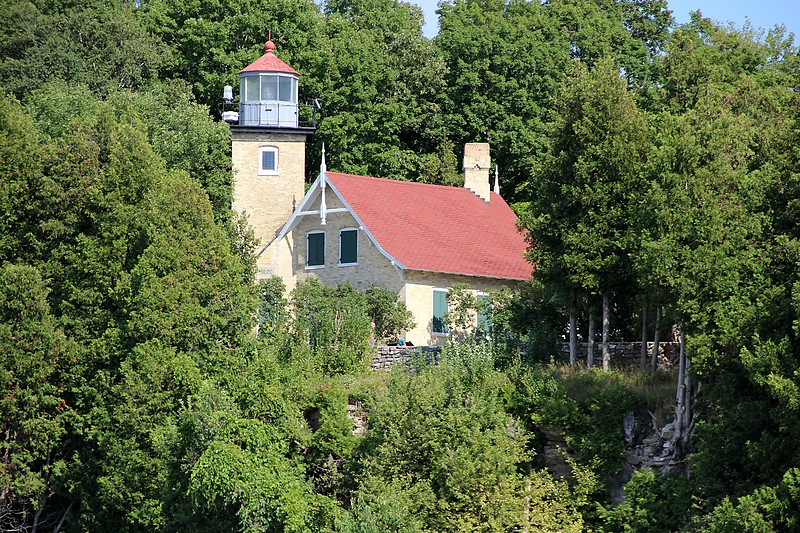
point(358, 415)
point(648, 445)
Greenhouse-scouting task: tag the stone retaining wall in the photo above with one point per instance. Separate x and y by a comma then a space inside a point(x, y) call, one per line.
point(388, 356)
point(623, 354)
point(627, 354)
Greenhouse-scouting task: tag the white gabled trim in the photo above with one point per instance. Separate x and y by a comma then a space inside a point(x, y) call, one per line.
point(299, 212)
point(317, 212)
point(302, 211)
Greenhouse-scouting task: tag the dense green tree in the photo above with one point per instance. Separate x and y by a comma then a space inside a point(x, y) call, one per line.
point(179, 130)
point(581, 217)
point(382, 94)
point(35, 362)
point(632, 32)
point(22, 182)
point(504, 63)
point(330, 327)
point(441, 445)
point(97, 43)
point(713, 251)
point(389, 314)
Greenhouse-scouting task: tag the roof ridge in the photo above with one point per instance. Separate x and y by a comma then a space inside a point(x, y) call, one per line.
point(416, 183)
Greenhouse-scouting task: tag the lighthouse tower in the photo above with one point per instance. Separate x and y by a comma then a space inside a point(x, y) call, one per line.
point(268, 152)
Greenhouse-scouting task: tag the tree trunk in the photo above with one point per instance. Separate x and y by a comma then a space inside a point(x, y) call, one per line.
point(687, 398)
point(679, 394)
point(683, 404)
point(643, 358)
point(606, 352)
point(63, 517)
point(573, 329)
point(590, 344)
point(573, 338)
point(654, 357)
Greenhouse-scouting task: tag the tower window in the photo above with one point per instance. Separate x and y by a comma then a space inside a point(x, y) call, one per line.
point(268, 160)
point(315, 249)
point(286, 89)
point(269, 87)
point(348, 247)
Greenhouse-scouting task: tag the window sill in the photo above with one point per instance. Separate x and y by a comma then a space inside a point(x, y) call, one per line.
point(347, 264)
point(440, 334)
point(314, 267)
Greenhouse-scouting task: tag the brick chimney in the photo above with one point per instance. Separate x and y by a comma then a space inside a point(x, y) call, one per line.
point(476, 169)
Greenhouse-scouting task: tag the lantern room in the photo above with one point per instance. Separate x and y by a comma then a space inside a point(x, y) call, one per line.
point(268, 92)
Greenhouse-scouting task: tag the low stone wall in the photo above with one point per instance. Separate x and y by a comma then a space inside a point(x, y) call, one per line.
point(623, 354)
point(388, 356)
point(627, 354)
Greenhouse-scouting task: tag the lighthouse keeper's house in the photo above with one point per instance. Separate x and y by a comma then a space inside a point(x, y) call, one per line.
point(412, 238)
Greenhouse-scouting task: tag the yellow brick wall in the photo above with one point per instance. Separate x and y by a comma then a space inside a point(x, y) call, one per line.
point(268, 200)
point(372, 267)
point(419, 299)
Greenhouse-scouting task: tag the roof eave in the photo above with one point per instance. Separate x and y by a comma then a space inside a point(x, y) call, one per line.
point(470, 275)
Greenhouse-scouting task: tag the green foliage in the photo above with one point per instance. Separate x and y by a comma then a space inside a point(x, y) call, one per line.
point(96, 43)
point(244, 468)
point(390, 315)
point(185, 286)
point(586, 407)
point(652, 503)
point(534, 318)
point(187, 138)
point(330, 326)
point(766, 509)
point(441, 444)
point(581, 217)
point(35, 360)
point(272, 307)
point(462, 305)
point(21, 165)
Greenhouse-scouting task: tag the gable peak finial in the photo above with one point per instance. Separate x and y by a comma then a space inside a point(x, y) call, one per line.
point(323, 207)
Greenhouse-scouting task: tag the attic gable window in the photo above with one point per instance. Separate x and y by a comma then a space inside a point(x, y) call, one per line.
point(315, 249)
point(268, 161)
point(348, 247)
point(438, 324)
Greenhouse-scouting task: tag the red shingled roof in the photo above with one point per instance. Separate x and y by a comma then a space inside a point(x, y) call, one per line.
point(269, 62)
point(436, 228)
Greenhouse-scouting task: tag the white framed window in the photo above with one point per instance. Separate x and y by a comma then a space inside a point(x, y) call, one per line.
point(315, 249)
point(348, 247)
point(267, 160)
point(439, 323)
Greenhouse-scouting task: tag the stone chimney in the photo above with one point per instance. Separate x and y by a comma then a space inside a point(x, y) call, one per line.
point(476, 169)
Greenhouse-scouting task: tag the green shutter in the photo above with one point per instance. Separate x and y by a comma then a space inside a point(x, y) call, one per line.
point(439, 309)
point(484, 320)
point(315, 252)
point(348, 246)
